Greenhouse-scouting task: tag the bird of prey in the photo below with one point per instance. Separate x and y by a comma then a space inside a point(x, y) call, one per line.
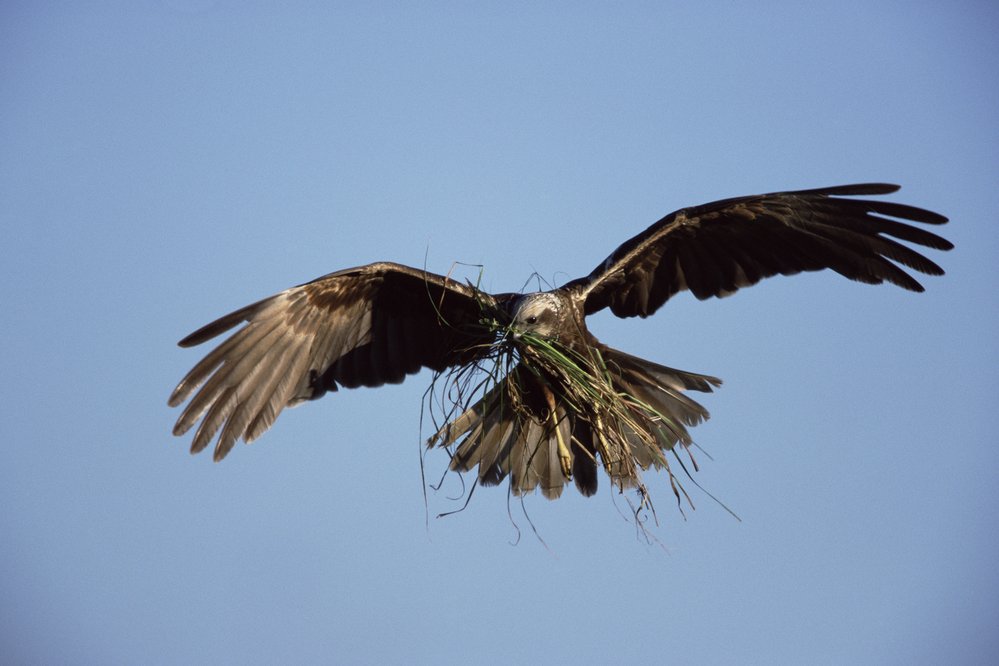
point(540, 400)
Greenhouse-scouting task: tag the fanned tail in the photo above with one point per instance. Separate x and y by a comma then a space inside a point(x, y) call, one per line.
point(544, 427)
point(508, 432)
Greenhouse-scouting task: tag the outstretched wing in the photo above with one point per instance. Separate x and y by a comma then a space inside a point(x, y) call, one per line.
point(720, 247)
point(363, 326)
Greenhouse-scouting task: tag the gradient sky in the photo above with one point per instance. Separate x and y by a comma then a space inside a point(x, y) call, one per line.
point(163, 163)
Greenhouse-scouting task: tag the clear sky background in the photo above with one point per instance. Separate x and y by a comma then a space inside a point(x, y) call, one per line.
point(163, 163)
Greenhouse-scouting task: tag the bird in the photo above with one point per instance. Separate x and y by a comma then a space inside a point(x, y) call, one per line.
point(533, 396)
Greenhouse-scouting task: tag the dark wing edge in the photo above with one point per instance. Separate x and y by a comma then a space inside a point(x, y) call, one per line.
point(720, 247)
point(363, 326)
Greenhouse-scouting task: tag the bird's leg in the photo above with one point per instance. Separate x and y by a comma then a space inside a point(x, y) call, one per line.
point(563, 451)
point(604, 445)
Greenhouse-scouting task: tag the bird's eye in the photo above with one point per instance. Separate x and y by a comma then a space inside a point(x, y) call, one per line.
point(532, 320)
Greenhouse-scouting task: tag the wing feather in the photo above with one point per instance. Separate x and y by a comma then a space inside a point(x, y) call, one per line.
point(237, 368)
point(718, 248)
point(359, 327)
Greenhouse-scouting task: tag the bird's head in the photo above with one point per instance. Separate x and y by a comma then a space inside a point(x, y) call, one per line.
point(538, 313)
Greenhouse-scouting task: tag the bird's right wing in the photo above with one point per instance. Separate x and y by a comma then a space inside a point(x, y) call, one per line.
point(363, 326)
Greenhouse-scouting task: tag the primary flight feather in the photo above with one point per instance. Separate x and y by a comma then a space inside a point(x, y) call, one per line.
point(567, 404)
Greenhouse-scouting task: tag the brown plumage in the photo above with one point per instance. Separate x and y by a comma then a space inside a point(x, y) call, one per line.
point(567, 403)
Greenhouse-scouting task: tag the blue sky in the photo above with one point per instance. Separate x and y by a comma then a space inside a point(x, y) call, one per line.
point(164, 163)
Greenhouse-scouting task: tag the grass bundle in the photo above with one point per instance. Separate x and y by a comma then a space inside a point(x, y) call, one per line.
point(543, 414)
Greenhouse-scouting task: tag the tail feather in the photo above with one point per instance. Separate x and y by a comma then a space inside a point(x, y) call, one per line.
point(503, 436)
point(502, 441)
point(584, 458)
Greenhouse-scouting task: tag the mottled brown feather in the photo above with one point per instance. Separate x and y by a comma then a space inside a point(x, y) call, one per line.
point(363, 326)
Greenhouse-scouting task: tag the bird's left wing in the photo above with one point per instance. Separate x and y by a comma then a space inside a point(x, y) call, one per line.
point(717, 248)
point(363, 326)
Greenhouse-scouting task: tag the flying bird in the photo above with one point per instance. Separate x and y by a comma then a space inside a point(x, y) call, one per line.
point(537, 398)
